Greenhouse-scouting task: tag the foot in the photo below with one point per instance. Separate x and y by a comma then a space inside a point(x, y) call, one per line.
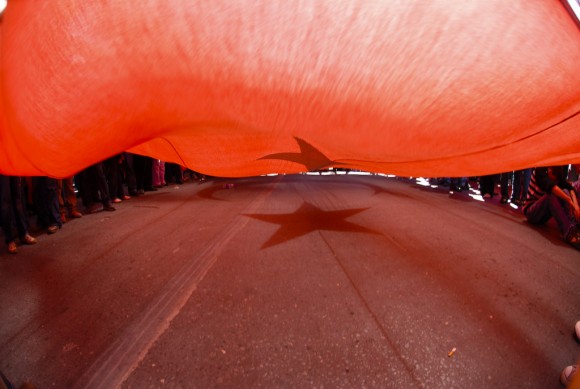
point(568, 374)
point(28, 239)
point(117, 200)
point(52, 230)
point(93, 208)
point(108, 207)
point(12, 249)
point(126, 197)
point(75, 214)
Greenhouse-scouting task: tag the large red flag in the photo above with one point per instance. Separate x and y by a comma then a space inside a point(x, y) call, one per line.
point(246, 87)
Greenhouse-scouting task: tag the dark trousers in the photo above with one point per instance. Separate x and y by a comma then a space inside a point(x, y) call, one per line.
point(46, 200)
point(486, 184)
point(12, 208)
point(93, 185)
point(115, 177)
point(173, 173)
point(143, 167)
point(129, 171)
point(549, 206)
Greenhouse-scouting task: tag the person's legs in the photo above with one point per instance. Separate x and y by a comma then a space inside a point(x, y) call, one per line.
point(504, 182)
point(40, 196)
point(527, 178)
point(52, 205)
point(101, 181)
point(539, 212)
point(552, 206)
point(70, 197)
point(562, 214)
point(111, 175)
point(6, 217)
point(46, 199)
point(157, 173)
point(517, 186)
point(130, 174)
point(19, 207)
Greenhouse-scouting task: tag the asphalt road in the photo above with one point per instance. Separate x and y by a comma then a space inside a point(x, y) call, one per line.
point(294, 282)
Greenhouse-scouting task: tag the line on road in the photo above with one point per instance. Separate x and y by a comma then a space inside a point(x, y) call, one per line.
point(378, 323)
point(118, 361)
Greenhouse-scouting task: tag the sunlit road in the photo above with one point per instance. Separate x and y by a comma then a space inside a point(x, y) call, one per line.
point(293, 281)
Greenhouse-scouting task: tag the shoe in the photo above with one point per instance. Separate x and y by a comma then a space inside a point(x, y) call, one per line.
point(108, 208)
point(12, 248)
point(568, 374)
point(75, 214)
point(93, 208)
point(52, 230)
point(487, 196)
point(577, 329)
point(126, 197)
point(63, 218)
point(117, 200)
point(28, 239)
point(504, 200)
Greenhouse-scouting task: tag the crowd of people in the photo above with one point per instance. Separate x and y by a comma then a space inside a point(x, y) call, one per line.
point(52, 202)
point(542, 193)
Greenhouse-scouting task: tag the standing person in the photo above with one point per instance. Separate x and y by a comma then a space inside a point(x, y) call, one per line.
point(46, 200)
point(94, 189)
point(487, 186)
point(67, 199)
point(504, 180)
point(143, 167)
point(173, 173)
point(13, 212)
point(158, 173)
point(129, 173)
point(114, 168)
point(551, 195)
point(520, 186)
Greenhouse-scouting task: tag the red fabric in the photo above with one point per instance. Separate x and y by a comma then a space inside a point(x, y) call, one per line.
point(246, 87)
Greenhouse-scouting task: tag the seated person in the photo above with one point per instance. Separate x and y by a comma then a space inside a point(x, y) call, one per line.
point(551, 195)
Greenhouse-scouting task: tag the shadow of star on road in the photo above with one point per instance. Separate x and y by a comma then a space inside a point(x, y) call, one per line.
point(308, 156)
point(309, 218)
